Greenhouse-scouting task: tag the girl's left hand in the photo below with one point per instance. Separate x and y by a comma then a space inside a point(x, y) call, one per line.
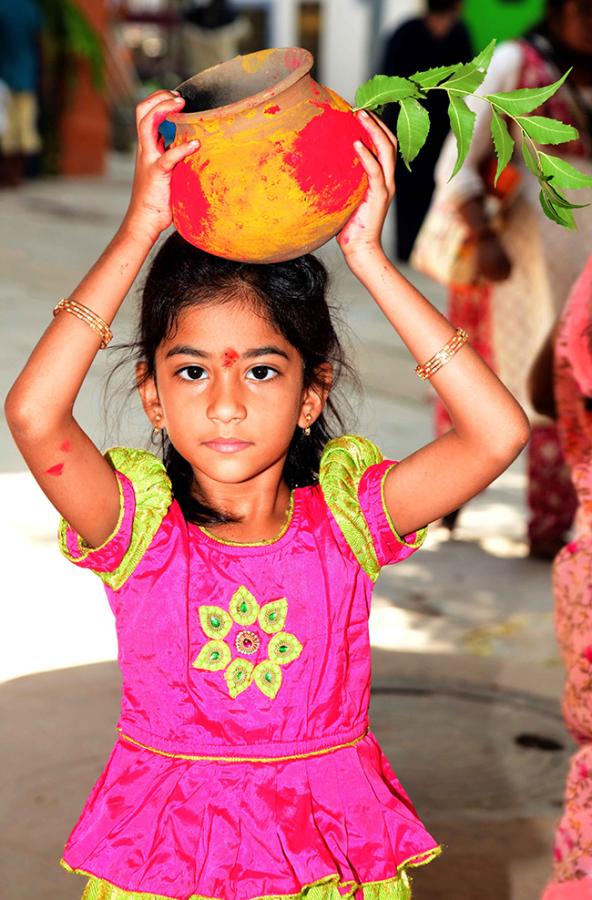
point(362, 232)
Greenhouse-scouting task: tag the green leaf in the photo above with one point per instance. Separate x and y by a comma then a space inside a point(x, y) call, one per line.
point(547, 131)
point(562, 173)
point(531, 161)
point(566, 217)
point(525, 100)
point(413, 125)
point(384, 89)
point(502, 141)
point(462, 122)
point(467, 78)
point(432, 77)
point(561, 216)
point(548, 209)
point(558, 199)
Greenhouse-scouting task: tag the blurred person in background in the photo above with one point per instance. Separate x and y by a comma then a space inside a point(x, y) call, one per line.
point(566, 360)
point(438, 38)
point(526, 269)
point(20, 34)
point(211, 33)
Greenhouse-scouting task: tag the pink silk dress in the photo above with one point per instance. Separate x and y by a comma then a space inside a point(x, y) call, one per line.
point(244, 765)
point(572, 581)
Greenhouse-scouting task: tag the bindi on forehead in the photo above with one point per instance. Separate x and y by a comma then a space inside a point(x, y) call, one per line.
point(229, 357)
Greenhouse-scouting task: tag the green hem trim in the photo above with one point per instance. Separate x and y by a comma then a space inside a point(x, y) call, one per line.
point(420, 534)
point(101, 889)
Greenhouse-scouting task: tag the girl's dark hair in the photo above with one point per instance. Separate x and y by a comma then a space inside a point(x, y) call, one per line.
point(291, 296)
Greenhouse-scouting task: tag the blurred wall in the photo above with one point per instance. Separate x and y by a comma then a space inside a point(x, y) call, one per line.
point(349, 55)
point(284, 22)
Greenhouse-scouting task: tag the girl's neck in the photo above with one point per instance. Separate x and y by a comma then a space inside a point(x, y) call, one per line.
point(259, 510)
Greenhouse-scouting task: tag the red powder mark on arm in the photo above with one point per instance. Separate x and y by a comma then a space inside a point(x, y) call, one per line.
point(272, 110)
point(66, 446)
point(229, 357)
point(55, 470)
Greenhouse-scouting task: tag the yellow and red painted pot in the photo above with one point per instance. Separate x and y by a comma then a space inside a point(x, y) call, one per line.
point(276, 174)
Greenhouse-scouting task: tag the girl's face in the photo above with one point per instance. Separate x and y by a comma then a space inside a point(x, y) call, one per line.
point(229, 389)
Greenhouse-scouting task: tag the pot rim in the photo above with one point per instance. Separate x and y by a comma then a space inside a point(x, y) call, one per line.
point(253, 100)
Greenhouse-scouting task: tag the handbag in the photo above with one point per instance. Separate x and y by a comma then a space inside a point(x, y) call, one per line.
point(445, 248)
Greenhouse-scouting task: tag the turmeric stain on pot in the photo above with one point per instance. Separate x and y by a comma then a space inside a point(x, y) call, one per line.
point(280, 178)
point(253, 61)
point(324, 147)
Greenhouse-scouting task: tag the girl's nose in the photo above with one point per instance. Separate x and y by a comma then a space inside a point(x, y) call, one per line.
point(225, 403)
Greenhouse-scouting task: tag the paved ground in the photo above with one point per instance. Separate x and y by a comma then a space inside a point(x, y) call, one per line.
point(463, 655)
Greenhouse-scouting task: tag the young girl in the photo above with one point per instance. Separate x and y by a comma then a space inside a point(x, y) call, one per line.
point(240, 571)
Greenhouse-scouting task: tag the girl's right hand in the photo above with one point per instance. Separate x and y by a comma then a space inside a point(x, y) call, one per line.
point(149, 212)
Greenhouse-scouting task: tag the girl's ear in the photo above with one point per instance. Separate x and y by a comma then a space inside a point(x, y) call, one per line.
point(314, 397)
point(148, 392)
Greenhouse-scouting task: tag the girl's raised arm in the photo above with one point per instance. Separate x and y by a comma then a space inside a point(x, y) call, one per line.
point(489, 427)
point(39, 407)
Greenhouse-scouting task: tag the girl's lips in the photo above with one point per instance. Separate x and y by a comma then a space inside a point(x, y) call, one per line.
point(227, 445)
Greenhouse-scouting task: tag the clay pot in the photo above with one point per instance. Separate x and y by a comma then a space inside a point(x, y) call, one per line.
point(276, 174)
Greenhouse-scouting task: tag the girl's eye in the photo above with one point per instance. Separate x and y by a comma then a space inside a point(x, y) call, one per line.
point(261, 373)
point(192, 373)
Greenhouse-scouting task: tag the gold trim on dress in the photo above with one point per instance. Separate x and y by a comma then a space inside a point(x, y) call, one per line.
point(272, 759)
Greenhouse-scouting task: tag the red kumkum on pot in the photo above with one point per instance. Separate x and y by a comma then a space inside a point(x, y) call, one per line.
point(276, 174)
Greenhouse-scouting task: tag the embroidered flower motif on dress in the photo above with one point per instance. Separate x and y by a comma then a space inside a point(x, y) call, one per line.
point(244, 611)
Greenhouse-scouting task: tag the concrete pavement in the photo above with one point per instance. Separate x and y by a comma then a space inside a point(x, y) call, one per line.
point(467, 674)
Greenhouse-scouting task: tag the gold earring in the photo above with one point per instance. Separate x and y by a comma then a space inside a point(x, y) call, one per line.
point(157, 428)
point(306, 430)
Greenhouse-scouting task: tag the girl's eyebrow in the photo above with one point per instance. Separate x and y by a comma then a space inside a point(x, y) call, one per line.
point(264, 351)
point(187, 350)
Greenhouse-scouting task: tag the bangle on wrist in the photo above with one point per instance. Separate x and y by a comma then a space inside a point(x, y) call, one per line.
point(87, 316)
point(443, 356)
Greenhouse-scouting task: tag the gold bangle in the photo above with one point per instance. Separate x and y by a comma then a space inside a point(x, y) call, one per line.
point(85, 315)
point(443, 356)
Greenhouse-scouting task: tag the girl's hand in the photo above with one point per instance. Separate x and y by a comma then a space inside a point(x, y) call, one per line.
point(362, 232)
point(149, 211)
